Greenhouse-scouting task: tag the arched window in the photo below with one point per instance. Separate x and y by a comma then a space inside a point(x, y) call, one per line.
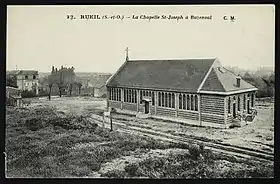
point(173, 100)
point(162, 99)
point(114, 92)
point(133, 96)
point(166, 100)
point(188, 102)
point(121, 95)
point(159, 99)
point(184, 101)
point(153, 98)
point(196, 103)
point(180, 101)
point(229, 104)
point(191, 102)
point(169, 105)
point(129, 96)
point(141, 94)
point(124, 95)
point(252, 100)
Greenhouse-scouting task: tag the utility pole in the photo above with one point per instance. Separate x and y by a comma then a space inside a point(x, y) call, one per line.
point(111, 121)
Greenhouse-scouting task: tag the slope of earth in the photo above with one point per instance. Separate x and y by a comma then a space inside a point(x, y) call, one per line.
point(42, 141)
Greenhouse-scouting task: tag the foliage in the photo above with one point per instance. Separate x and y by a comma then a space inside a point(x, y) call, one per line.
point(11, 80)
point(42, 142)
point(265, 84)
point(62, 78)
point(28, 94)
point(42, 93)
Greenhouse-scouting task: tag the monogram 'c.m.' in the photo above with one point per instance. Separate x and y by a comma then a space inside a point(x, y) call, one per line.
point(194, 91)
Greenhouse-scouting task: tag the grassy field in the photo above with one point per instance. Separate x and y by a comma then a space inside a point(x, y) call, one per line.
point(43, 141)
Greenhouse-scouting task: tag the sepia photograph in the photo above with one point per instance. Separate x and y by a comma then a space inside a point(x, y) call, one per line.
point(140, 91)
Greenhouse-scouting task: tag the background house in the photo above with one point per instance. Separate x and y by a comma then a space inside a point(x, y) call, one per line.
point(13, 96)
point(25, 79)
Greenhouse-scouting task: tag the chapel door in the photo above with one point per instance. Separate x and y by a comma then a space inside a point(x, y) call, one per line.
point(146, 107)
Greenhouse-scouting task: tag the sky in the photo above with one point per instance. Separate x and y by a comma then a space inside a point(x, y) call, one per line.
point(39, 37)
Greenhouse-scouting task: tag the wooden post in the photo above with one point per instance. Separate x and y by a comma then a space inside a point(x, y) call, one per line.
point(107, 97)
point(137, 99)
point(199, 109)
point(176, 104)
point(156, 101)
point(225, 110)
point(122, 97)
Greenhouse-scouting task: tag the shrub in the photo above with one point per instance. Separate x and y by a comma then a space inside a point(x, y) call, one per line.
point(34, 123)
point(194, 151)
point(132, 169)
point(42, 93)
point(114, 174)
point(28, 94)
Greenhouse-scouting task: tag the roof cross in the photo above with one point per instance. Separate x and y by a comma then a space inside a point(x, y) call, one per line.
point(126, 53)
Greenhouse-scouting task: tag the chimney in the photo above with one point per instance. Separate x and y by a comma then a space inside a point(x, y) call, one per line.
point(238, 78)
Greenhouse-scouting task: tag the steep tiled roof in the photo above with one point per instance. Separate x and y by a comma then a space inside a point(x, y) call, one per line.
point(212, 83)
point(222, 80)
point(180, 75)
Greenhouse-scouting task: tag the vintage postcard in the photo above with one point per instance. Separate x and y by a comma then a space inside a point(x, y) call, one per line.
point(170, 91)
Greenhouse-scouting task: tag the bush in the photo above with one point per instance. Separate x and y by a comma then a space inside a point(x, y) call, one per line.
point(43, 93)
point(34, 123)
point(28, 94)
point(195, 152)
point(132, 169)
point(114, 174)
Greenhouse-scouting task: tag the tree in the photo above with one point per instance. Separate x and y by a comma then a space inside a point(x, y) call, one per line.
point(11, 80)
point(79, 86)
point(51, 82)
point(63, 78)
point(70, 89)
